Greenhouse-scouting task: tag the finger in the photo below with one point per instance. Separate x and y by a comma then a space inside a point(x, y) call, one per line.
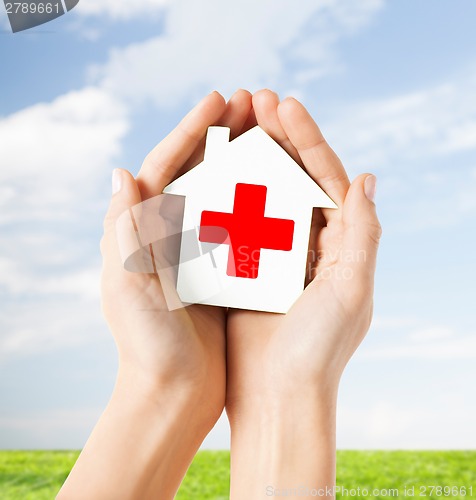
point(164, 161)
point(362, 229)
point(235, 115)
point(250, 121)
point(319, 159)
point(125, 195)
point(265, 105)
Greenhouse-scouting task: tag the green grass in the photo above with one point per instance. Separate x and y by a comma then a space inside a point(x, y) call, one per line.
point(38, 475)
point(33, 475)
point(399, 469)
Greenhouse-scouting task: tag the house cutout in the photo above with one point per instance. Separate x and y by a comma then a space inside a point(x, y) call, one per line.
point(252, 203)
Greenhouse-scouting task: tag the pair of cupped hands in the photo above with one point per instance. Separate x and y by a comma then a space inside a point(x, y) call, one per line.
point(257, 365)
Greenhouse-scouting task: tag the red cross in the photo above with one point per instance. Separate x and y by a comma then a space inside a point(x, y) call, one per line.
point(246, 230)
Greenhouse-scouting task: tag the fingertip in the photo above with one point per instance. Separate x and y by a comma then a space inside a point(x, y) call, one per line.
point(290, 99)
point(241, 94)
point(219, 99)
point(362, 229)
point(365, 184)
point(124, 186)
point(285, 110)
point(207, 112)
point(370, 187)
point(359, 207)
point(121, 179)
point(265, 95)
point(290, 105)
point(125, 195)
point(240, 100)
point(214, 102)
point(236, 112)
point(116, 180)
point(214, 94)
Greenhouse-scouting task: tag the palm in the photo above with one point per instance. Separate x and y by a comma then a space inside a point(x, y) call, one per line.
point(316, 336)
point(194, 336)
point(183, 348)
point(255, 338)
point(166, 341)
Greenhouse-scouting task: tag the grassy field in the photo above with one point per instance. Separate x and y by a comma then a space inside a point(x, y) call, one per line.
point(38, 475)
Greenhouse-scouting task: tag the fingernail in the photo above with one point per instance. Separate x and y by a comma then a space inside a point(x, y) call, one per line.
point(370, 187)
point(116, 180)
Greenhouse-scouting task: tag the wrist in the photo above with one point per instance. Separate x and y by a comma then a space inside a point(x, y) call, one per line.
point(277, 411)
point(184, 402)
point(143, 443)
point(291, 442)
point(248, 396)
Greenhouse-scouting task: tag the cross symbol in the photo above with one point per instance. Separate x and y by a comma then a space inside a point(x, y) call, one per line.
point(246, 231)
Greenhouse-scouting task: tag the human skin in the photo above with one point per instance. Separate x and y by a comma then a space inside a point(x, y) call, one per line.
point(278, 373)
point(284, 370)
point(170, 388)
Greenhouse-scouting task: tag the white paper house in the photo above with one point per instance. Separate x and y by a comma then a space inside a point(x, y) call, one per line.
point(253, 200)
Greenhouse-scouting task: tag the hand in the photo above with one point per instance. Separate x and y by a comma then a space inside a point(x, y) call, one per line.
point(158, 348)
point(284, 370)
point(171, 382)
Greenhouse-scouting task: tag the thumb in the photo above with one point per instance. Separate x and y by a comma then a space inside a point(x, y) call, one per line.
point(125, 194)
point(362, 229)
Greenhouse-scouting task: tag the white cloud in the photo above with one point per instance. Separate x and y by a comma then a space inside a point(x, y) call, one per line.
point(461, 347)
point(225, 45)
point(392, 322)
point(403, 129)
point(30, 280)
point(394, 424)
point(120, 9)
point(421, 145)
point(53, 155)
point(55, 159)
point(45, 324)
point(410, 338)
point(431, 333)
point(457, 347)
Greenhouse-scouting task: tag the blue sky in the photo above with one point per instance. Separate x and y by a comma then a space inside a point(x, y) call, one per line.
point(392, 85)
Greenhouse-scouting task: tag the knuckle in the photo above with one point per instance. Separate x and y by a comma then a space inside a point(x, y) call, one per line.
point(156, 164)
point(189, 134)
point(375, 232)
point(150, 159)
